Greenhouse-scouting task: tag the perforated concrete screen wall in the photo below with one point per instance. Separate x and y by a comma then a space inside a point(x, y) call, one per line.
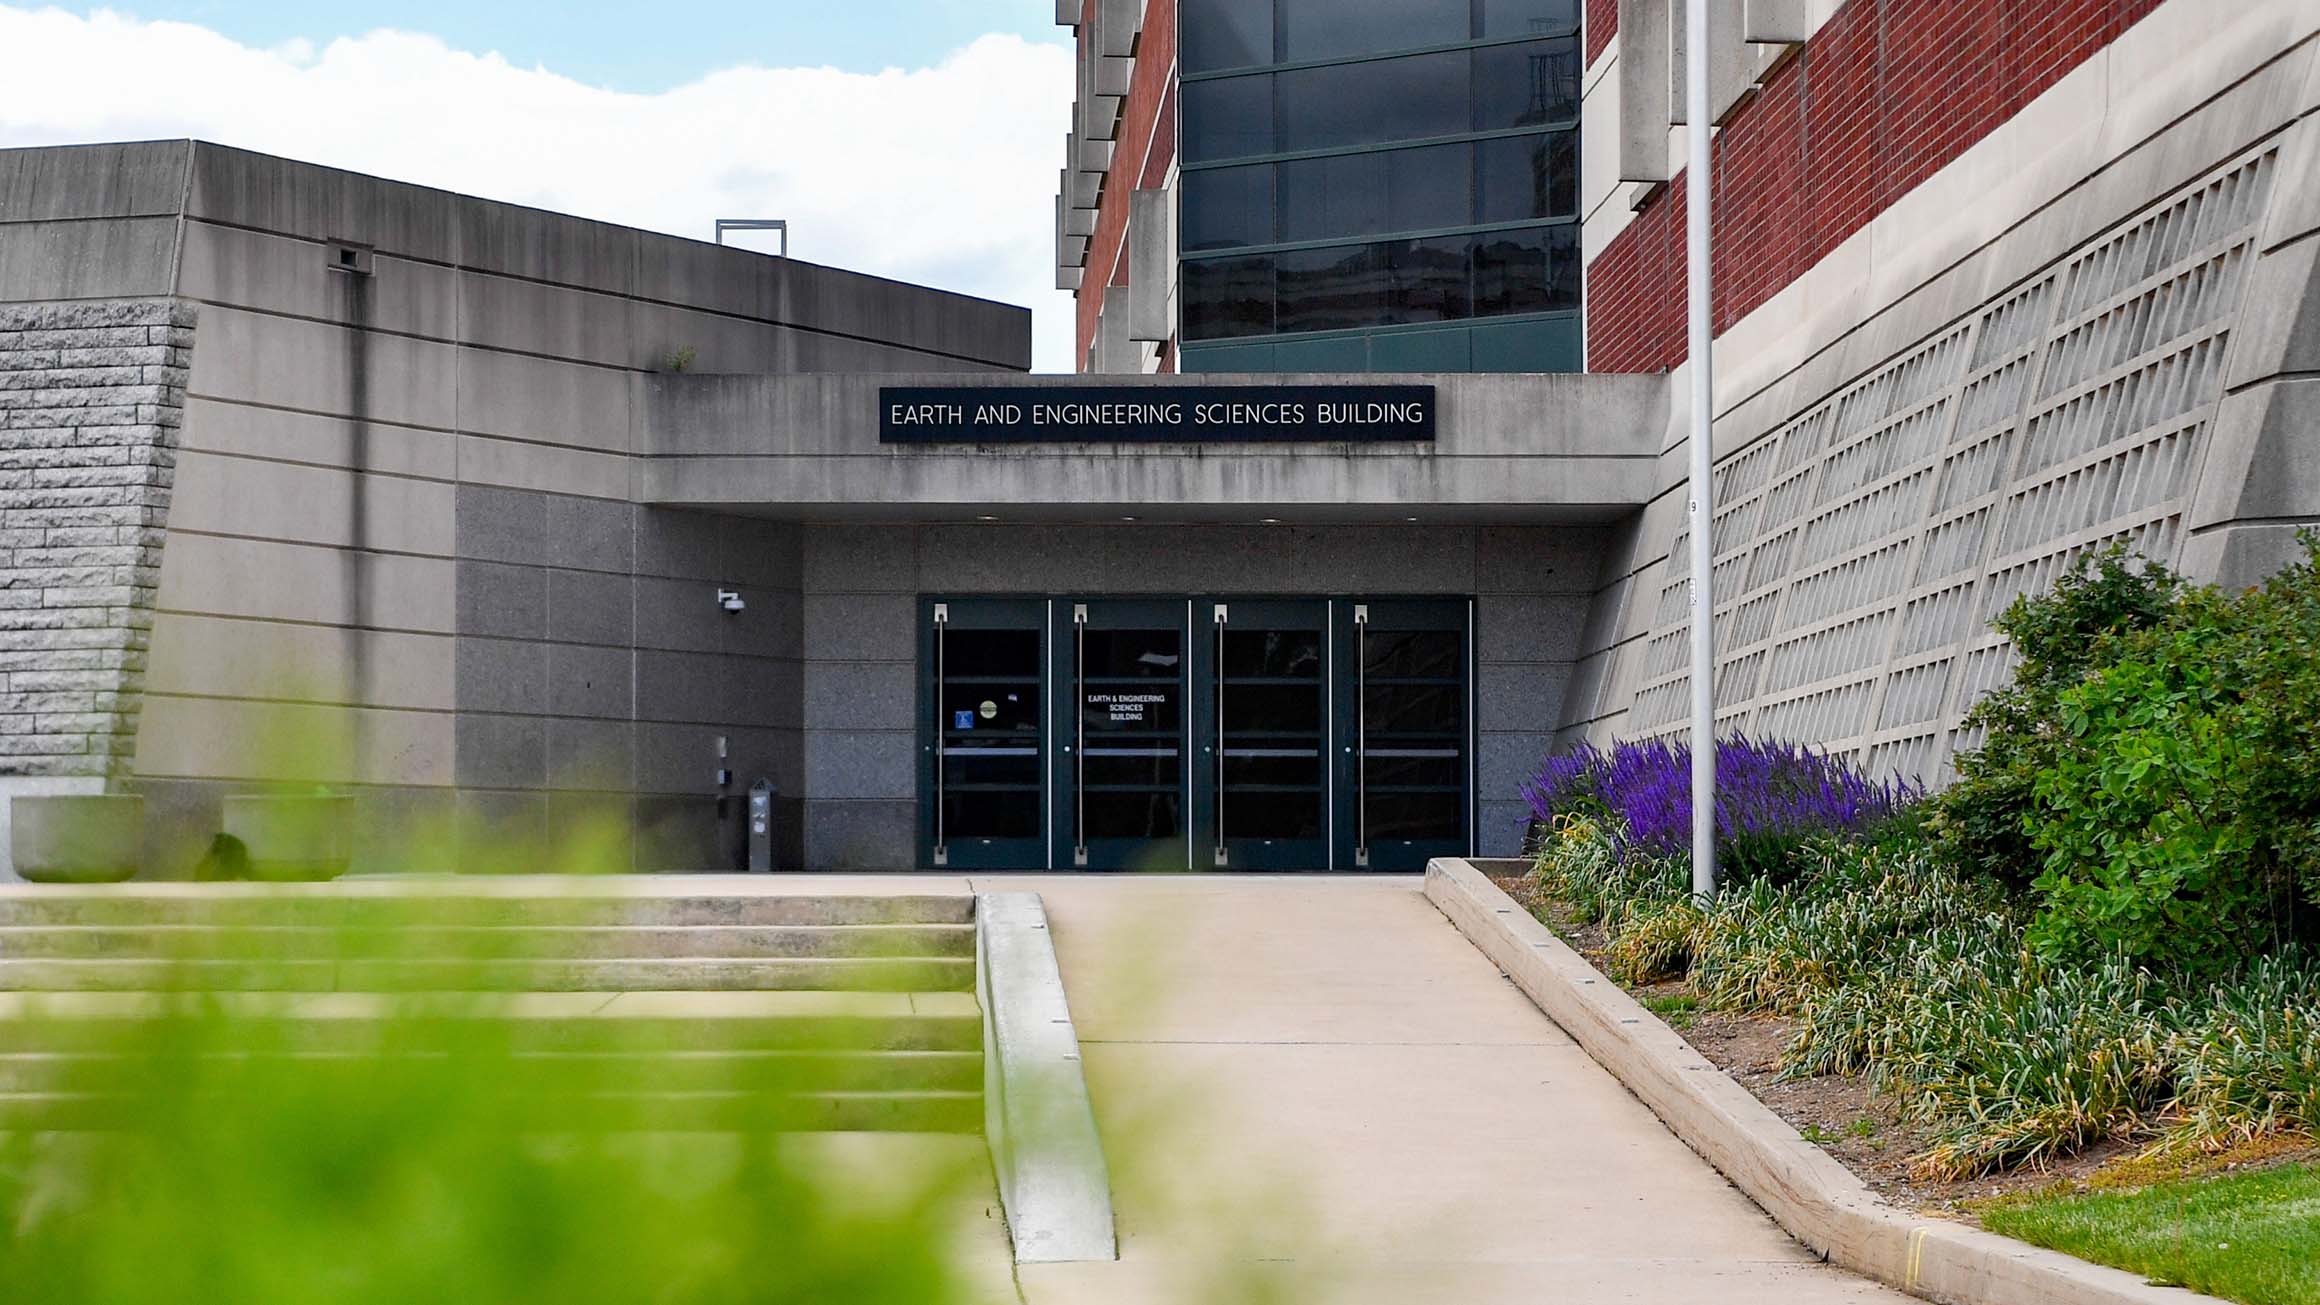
point(1865, 545)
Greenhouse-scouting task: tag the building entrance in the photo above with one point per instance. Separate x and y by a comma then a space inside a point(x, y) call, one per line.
point(1204, 733)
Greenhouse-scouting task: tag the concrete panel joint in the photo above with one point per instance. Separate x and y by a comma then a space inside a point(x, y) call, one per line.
point(1053, 1182)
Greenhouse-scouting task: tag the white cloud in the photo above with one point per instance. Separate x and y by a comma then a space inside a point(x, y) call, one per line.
point(941, 175)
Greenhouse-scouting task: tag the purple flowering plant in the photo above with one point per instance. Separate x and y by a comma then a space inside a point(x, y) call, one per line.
point(1771, 798)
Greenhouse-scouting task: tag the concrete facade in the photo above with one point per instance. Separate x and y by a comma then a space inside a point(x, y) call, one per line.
point(438, 507)
point(449, 521)
point(1519, 448)
point(2092, 326)
point(402, 555)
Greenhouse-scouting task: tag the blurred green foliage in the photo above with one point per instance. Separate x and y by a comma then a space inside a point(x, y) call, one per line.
point(260, 1147)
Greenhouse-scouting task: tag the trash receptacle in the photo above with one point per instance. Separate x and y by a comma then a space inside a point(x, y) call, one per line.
point(761, 827)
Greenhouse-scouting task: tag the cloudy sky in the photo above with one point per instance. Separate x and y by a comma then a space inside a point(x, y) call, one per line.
point(917, 139)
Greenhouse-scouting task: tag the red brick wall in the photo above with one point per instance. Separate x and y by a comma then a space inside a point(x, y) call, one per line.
point(1140, 158)
point(1598, 20)
point(1877, 101)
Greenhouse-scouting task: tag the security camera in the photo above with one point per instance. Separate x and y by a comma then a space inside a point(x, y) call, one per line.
point(730, 600)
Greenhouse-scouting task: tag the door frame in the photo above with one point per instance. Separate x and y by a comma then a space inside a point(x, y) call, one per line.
point(1064, 751)
point(1453, 614)
point(1210, 851)
point(978, 612)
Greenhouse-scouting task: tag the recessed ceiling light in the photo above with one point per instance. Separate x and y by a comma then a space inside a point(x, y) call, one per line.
point(1411, 520)
point(1131, 518)
point(986, 518)
point(1268, 521)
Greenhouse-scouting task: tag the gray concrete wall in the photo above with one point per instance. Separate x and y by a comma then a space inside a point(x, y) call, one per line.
point(1528, 447)
point(402, 553)
point(862, 585)
point(596, 674)
point(2124, 363)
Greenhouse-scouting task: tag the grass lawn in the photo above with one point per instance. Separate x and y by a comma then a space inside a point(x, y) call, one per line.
point(2251, 1237)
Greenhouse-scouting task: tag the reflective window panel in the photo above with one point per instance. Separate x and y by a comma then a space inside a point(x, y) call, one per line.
point(1373, 102)
point(1532, 271)
point(1527, 177)
point(1339, 29)
point(1526, 85)
point(1225, 33)
point(1229, 118)
point(1227, 297)
point(1225, 208)
point(1527, 17)
point(1330, 289)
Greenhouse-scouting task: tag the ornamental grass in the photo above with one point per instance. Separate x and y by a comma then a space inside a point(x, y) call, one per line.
point(1896, 965)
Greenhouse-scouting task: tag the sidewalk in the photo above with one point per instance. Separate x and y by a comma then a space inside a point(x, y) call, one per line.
point(1353, 1103)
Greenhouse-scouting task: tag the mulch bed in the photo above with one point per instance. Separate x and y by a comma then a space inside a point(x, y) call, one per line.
point(1842, 1115)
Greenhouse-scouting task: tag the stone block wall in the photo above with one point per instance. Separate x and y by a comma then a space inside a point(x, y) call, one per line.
point(91, 397)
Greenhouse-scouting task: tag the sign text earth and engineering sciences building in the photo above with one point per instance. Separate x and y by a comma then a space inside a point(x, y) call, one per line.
point(1176, 414)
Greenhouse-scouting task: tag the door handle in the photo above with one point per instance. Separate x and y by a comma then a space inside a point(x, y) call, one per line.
point(1079, 849)
point(1219, 744)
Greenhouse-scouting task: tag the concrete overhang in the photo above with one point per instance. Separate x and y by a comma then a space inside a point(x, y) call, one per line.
point(1507, 448)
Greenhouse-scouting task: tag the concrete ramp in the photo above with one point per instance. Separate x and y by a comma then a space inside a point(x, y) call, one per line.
point(1318, 1084)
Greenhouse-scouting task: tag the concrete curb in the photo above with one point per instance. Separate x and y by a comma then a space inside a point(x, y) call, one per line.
point(1053, 1182)
point(1816, 1199)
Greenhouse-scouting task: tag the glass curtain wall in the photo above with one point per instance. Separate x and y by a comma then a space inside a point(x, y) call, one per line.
point(1375, 171)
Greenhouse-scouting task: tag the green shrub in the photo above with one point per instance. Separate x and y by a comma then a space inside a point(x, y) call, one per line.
point(2177, 825)
point(2154, 770)
point(1982, 820)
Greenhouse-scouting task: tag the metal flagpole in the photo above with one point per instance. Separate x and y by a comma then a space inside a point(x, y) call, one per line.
point(1703, 344)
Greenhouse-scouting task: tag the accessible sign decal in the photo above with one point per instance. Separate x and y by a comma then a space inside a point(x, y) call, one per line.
point(1153, 414)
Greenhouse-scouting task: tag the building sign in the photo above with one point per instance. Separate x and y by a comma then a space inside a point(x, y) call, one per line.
point(1156, 414)
point(1129, 710)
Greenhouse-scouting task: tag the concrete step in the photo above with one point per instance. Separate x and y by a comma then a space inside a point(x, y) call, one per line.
point(889, 1112)
point(626, 974)
point(172, 941)
point(361, 904)
point(627, 1023)
point(682, 1072)
point(638, 1005)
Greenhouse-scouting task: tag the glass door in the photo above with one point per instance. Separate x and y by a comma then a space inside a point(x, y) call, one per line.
point(1261, 687)
point(982, 767)
point(1405, 768)
point(1122, 719)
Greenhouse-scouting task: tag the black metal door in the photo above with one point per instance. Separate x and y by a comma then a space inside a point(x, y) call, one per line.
point(1261, 688)
point(984, 742)
point(1121, 718)
point(1405, 763)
